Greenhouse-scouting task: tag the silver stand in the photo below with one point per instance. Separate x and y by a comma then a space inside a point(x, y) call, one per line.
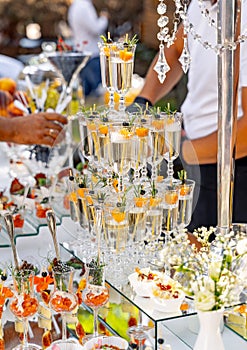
point(229, 20)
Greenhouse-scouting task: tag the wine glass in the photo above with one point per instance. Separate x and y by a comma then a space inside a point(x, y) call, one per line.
point(24, 303)
point(63, 300)
point(96, 294)
point(172, 130)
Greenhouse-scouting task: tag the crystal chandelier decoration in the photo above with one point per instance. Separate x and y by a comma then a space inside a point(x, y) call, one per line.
point(167, 37)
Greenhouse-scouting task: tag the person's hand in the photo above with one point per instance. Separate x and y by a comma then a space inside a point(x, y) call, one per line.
point(40, 128)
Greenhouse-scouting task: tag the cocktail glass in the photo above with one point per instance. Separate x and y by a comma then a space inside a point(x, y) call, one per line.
point(96, 294)
point(63, 299)
point(69, 64)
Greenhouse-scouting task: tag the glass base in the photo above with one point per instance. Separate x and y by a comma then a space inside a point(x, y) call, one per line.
point(29, 346)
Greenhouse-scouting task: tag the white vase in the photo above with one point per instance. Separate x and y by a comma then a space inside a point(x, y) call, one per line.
point(209, 337)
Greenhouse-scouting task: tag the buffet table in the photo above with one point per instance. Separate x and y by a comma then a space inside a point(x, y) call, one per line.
point(178, 331)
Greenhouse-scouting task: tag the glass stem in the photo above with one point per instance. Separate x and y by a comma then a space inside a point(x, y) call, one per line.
point(95, 322)
point(64, 326)
point(121, 103)
point(25, 331)
point(111, 100)
point(170, 169)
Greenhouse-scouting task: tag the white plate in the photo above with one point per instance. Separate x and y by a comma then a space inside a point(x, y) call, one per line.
point(143, 288)
point(60, 345)
point(119, 342)
point(170, 305)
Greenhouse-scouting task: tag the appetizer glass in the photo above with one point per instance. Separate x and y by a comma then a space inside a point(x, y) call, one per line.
point(24, 303)
point(96, 294)
point(63, 300)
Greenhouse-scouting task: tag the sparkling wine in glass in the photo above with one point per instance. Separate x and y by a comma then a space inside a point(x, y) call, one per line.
point(172, 141)
point(186, 191)
point(122, 138)
point(122, 65)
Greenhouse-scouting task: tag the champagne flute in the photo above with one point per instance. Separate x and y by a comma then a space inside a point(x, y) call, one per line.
point(186, 191)
point(156, 143)
point(122, 65)
point(172, 130)
point(24, 303)
point(122, 137)
point(105, 49)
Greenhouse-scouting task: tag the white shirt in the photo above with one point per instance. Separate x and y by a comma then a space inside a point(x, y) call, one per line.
point(200, 108)
point(86, 25)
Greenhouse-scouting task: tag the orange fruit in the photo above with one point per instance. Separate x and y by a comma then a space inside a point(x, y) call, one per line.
point(140, 201)
point(89, 200)
point(170, 120)
point(106, 51)
point(154, 201)
point(103, 129)
point(142, 132)
point(158, 124)
point(81, 192)
point(91, 126)
point(160, 178)
point(73, 197)
point(171, 198)
point(184, 190)
point(125, 55)
point(117, 215)
point(126, 133)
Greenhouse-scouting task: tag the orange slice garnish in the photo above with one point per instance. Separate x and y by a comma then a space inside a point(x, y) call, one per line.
point(140, 201)
point(158, 124)
point(142, 132)
point(107, 51)
point(73, 197)
point(126, 133)
point(103, 129)
point(81, 192)
point(154, 201)
point(89, 200)
point(117, 215)
point(91, 126)
point(171, 198)
point(125, 55)
point(184, 190)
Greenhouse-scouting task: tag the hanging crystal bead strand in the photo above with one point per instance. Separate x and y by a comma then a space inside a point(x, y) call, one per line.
point(161, 66)
point(185, 58)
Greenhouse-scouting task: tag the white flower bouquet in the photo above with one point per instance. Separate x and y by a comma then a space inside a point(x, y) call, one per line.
point(214, 274)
